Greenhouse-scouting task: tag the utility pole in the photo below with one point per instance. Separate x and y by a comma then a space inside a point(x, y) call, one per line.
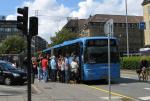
point(127, 27)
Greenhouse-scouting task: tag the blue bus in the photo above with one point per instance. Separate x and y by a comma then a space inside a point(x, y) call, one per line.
point(92, 53)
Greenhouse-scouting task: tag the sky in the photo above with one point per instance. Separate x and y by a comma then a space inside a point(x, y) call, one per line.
point(53, 14)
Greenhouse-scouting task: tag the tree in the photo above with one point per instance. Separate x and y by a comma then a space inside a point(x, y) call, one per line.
point(13, 45)
point(63, 35)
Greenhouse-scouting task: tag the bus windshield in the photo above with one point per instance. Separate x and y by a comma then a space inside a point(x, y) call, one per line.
point(99, 54)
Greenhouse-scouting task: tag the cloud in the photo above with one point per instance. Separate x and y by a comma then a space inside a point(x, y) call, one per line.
point(53, 15)
point(91, 7)
point(11, 17)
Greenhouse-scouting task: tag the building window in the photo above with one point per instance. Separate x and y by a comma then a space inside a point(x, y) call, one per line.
point(14, 30)
point(1, 29)
point(7, 29)
point(115, 24)
point(135, 25)
point(101, 24)
point(123, 25)
point(129, 25)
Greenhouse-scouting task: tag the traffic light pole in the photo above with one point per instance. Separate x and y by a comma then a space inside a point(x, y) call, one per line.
point(29, 66)
point(22, 24)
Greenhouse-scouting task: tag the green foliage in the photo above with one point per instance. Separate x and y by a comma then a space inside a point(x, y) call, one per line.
point(13, 45)
point(132, 62)
point(63, 35)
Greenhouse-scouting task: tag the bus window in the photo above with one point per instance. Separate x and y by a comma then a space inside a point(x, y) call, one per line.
point(75, 48)
point(99, 53)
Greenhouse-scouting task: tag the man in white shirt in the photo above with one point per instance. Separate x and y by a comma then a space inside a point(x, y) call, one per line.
point(74, 70)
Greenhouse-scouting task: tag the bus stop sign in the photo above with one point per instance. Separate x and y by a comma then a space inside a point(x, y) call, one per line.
point(108, 27)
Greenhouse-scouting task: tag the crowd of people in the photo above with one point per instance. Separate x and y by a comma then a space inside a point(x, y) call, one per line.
point(62, 69)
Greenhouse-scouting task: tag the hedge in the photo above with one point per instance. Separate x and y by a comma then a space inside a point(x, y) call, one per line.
point(132, 62)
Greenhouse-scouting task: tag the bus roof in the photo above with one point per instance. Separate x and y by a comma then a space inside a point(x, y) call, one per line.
point(82, 40)
point(65, 43)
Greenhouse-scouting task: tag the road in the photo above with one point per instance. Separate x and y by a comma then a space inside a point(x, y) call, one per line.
point(128, 87)
point(13, 90)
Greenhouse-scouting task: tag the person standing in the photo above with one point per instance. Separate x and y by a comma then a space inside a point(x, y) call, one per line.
point(62, 70)
point(49, 68)
point(53, 68)
point(66, 69)
point(39, 68)
point(74, 70)
point(34, 70)
point(59, 63)
point(45, 68)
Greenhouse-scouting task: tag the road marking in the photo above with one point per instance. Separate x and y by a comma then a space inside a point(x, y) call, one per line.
point(5, 94)
point(147, 88)
point(123, 84)
point(146, 98)
point(128, 77)
point(113, 93)
point(16, 88)
point(114, 98)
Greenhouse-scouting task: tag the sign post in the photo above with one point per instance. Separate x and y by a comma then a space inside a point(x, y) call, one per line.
point(108, 29)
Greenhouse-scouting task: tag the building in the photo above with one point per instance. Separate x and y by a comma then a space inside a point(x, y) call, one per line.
point(146, 15)
point(94, 26)
point(8, 28)
point(2, 17)
point(74, 24)
point(38, 44)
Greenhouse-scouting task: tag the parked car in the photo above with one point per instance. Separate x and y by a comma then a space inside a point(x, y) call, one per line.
point(10, 75)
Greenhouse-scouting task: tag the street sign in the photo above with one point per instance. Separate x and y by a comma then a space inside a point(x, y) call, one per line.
point(142, 25)
point(108, 27)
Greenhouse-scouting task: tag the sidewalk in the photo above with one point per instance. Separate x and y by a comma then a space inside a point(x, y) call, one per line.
point(52, 91)
point(125, 71)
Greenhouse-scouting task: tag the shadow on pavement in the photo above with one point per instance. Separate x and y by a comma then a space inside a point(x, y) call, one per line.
point(105, 82)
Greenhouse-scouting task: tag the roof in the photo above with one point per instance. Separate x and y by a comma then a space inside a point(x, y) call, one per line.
point(75, 22)
point(116, 18)
point(103, 18)
point(145, 2)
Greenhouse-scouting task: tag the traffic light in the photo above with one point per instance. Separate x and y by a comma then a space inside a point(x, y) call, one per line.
point(22, 21)
point(33, 26)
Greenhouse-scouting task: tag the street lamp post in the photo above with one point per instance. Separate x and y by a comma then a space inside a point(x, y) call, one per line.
point(127, 28)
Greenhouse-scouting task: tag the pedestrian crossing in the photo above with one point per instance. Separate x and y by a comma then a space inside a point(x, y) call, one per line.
point(146, 98)
point(5, 94)
point(147, 88)
point(113, 98)
point(13, 88)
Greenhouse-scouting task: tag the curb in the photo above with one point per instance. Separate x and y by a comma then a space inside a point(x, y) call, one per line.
point(35, 89)
point(128, 72)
